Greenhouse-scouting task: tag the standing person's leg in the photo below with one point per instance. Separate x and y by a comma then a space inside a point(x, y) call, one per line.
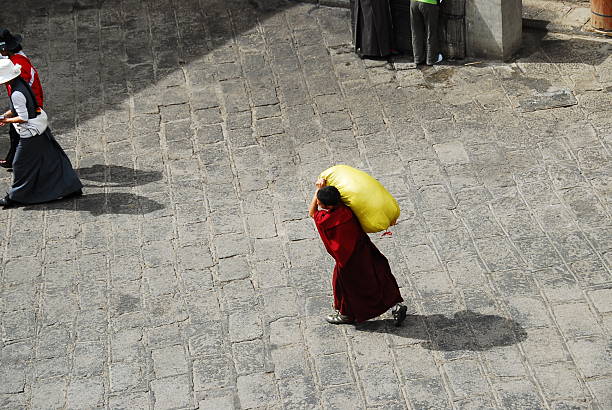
point(341, 315)
point(431, 13)
point(14, 140)
point(417, 27)
point(357, 26)
point(383, 26)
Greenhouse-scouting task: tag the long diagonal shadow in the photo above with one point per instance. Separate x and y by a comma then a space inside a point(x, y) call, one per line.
point(466, 330)
point(106, 51)
point(94, 55)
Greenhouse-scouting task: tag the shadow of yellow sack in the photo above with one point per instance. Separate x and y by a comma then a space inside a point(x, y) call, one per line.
point(373, 205)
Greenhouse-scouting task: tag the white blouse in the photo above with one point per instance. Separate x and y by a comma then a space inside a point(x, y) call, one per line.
point(32, 126)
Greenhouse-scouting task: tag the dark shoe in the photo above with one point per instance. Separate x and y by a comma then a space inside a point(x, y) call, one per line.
point(6, 164)
point(7, 202)
point(75, 194)
point(399, 314)
point(337, 319)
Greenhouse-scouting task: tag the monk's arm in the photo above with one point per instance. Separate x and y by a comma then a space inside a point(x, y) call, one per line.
point(312, 209)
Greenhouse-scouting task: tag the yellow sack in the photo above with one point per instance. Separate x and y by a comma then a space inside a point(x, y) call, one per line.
point(373, 205)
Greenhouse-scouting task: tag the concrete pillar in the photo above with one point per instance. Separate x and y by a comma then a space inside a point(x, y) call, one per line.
point(493, 28)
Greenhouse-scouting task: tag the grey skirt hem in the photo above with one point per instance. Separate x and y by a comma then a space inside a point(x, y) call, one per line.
point(42, 171)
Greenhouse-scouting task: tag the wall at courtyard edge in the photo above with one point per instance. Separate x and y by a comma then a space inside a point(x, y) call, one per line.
point(493, 27)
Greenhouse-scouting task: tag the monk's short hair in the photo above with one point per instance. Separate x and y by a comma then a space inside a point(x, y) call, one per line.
point(329, 195)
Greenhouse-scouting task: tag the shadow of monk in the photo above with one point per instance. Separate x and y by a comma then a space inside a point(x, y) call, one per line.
point(465, 330)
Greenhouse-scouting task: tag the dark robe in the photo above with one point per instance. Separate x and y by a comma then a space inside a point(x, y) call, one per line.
point(373, 29)
point(363, 284)
point(42, 171)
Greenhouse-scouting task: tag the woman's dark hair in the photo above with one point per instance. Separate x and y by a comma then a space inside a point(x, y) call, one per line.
point(16, 49)
point(329, 195)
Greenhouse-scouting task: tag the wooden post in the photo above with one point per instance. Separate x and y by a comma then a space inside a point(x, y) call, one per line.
point(452, 29)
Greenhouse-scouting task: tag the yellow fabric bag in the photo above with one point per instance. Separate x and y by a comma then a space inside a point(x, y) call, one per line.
point(373, 205)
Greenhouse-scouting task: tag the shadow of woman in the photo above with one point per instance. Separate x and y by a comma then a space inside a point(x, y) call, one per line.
point(113, 203)
point(465, 330)
point(118, 176)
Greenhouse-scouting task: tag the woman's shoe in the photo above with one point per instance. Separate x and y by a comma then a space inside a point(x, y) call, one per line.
point(5, 164)
point(75, 194)
point(338, 319)
point(7, 202)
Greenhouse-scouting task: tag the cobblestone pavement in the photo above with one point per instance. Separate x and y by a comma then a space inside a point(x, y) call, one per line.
point(189, 275)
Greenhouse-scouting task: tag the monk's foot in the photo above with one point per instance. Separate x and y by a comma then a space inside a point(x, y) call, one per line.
point(399, 314)
point(338, 319)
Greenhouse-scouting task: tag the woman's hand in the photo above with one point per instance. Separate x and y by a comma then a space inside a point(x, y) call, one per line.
point(11, 120)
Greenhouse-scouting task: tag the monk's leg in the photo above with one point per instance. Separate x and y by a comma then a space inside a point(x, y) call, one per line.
point(342, 315)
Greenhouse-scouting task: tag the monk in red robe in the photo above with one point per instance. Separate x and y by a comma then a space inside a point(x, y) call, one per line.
point(363, 284)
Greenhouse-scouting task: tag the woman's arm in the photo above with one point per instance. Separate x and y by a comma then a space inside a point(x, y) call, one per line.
point(14, 120)
point(19, 103)
point(11, 120)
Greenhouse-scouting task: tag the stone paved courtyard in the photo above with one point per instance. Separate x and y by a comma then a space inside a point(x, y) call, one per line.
point(189, 275)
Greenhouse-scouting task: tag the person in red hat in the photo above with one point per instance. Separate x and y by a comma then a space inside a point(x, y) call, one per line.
point(10, 47)
point(362, 282)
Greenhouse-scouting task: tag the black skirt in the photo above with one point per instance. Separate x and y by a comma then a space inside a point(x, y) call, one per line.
point(373, 31)
point(42, 171)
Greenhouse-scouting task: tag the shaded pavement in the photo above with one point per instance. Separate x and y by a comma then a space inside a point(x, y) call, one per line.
point(189, 276)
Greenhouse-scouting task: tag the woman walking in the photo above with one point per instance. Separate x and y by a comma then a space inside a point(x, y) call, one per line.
point(42, 171)
point(10, 47)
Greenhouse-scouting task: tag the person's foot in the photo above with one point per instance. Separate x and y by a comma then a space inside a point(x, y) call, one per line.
point(399, 314)
point(338, 319)
point(7, 202)
point(438, 60)
point(6, 164)
point(75, 194)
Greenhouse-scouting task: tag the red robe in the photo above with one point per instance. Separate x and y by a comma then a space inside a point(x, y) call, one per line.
point(363, 284)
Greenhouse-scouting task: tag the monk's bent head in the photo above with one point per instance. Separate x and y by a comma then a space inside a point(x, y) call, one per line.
point(329, 196)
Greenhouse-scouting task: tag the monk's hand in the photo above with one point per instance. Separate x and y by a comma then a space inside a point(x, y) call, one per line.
point(320, 183)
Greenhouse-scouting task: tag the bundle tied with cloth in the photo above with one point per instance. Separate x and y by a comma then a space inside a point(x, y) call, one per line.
point(371, 203)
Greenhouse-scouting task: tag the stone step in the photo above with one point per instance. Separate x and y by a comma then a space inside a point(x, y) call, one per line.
point(557, 15)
